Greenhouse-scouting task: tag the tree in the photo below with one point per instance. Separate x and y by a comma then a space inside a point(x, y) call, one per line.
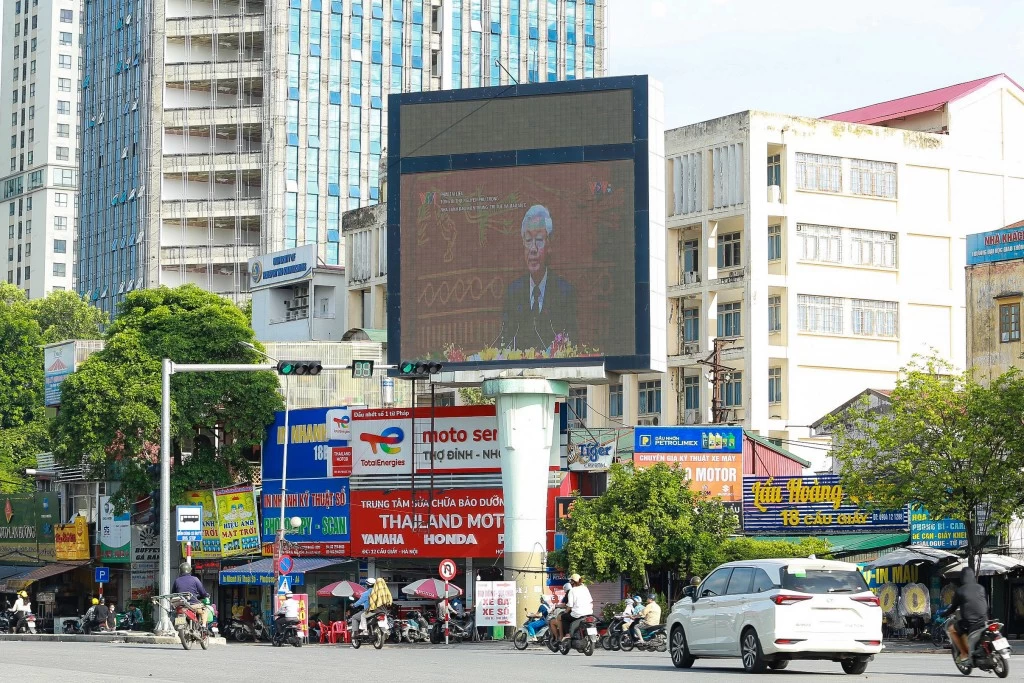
point(18, 449)
point(21, 360)
point(946, 443)
point(647, 520)
point(474, 396)
point(65, 315)
point(741, 548)
point(110, 407)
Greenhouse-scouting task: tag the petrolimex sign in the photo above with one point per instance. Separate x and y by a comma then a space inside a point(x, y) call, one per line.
point(280, 267)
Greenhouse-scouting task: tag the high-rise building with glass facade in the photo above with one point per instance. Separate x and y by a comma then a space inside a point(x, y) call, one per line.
point(213, 130)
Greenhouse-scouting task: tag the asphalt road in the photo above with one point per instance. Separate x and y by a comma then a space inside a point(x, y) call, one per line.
point(29, 662)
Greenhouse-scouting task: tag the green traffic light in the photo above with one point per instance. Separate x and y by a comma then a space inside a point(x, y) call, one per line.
point(287, 368)
point(408, 368)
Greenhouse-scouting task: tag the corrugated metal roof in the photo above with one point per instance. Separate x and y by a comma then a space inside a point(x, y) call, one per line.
point(913, 104)
point(778, 449)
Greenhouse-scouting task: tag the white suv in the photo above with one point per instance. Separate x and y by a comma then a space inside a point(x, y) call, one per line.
point(768, 612)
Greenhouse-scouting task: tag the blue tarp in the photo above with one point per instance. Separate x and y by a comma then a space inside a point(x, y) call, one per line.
point(261, 572)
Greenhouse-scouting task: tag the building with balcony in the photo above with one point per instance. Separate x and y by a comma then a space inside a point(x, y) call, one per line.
point(216, 129)
point(42, 61)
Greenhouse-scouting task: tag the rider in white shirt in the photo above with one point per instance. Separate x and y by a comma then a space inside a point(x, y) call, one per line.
point(581, 604)
point(288, 612)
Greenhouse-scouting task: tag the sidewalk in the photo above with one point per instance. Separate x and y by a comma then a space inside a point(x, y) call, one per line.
point(133, 637)
point(926, 647)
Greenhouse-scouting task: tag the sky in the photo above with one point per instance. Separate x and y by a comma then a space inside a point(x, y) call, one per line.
point(809, 57)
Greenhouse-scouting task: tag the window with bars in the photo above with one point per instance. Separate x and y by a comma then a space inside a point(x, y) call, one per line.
point(775, 385)
point(774, 313)
point(615, 400)
point(822, 243)
point(873, 248)
point(729, 319)
point(649, 398)
point(1009, 322)
point(729, 250)
point(774, 242)
point(870, 318)
point(873, 178)
point(819, 172)
point(732, 392)
point(822, 314)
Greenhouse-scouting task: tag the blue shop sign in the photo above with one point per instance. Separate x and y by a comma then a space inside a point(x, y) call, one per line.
point(996, 245)
point(323, 505)
point(688, 440)
point(314, 434)
point(936, 533)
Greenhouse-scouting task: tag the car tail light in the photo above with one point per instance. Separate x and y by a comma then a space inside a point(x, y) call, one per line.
point(868, 600)
point(870, 642)
point(788, 641)
point(788, 599)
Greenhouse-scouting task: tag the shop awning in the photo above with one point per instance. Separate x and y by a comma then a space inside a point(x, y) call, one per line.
point(8, 570)
point(22, 581)
point(261, 572)
point(849, 543)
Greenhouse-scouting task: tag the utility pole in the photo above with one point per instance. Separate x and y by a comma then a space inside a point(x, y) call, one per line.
point(718, 375)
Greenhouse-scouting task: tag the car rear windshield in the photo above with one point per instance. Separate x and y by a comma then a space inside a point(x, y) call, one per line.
point(823, 580)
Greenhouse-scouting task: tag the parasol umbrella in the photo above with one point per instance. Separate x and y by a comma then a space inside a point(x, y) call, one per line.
point(341, 589)
point(913, 554)
point(989, 565)
point(431, 589)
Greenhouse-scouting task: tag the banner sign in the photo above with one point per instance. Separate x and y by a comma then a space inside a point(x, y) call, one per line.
point(718, 474)
point(145, 545)
point(688, 440)
point(237, 522)
point(587, 453)
point(936, 533)
point(18, 533)
point(303, 600)
point(47, 515)
point(811, 504)
point(209, 548)
point(280, 267)
point(997, 245)
point(495, 603)
point(115, 534)
point(451, 523)
point(317, 437)
point(58, 363)
point(321, 504)
point(72, 540)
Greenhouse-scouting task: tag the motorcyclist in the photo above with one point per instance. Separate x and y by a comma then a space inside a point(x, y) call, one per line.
point(22, 608)
point(581, 604)
point(288, 613)
point(650, 615)
point(538, 618)
point(555, 618)
point(357, 618)
point(187, 583)
point(970, 600)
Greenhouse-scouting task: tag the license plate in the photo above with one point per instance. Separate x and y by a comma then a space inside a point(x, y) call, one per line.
point(1000, 643)
point(179, 621)
point(591, 631)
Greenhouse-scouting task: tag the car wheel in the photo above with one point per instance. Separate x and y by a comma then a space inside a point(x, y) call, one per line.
point(855, 666)
point(681, 657)
point(750, 650)
point(778, 664)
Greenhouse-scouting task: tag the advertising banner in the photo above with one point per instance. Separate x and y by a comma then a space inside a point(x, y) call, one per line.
point(810, 505)
point(209, 549)
point(18, 532)
point(495, 603)
point(72, 540)
point(716, 475)
point(58, 363)
point(314, 446)
point(997, 245)
point(237, 522)
point(936, 533)
point(321, 504)
point(381, 441)
point(145, 545)
point(303, 600)
point(47, 516)
point(115, 534)
point(451, 523)
point(279, 267)
point(688, 440)
point(591, 453)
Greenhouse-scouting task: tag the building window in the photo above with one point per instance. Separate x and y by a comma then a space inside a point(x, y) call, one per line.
point(819, 172)
point(691, 325)
point(67, 16)
point(64, 61)
point(60, 222)
point(60, 198)
point(732, 394)
point(774, 242)
point(729, 250)
point(873, 178)
point(873, 248)
point(821, 243)
point(63, 107)
point(65, 38)
point(729, 316)
point(60, 246)
point(775, 385)
point(63, 153)
point(615, 400)
point(64, 84)
point(822, 314)
point(63, 130)
point(691, 392)
point(774, 313)
point(775, 170)
point(1009, 322)
point(691, 260)
point(870, 318)
point(577, 407)
point(649, 396)
point(59, 269)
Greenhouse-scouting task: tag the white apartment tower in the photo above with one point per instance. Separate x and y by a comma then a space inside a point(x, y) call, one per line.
point(214, 130)
point(40, 81)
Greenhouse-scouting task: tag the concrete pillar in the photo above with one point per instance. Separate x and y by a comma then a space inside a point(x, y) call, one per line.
point(527, 429)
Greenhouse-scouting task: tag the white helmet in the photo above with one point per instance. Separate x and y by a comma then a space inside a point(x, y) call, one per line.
point(567, 587)
point(370, 581)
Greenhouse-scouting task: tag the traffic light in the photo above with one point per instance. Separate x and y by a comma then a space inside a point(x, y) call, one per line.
point(410, 369)
point(299, 367)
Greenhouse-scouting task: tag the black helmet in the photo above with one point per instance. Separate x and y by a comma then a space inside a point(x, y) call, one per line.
point(185, 568)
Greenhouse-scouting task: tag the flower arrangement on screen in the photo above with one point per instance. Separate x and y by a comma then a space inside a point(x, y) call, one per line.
point(561, 347)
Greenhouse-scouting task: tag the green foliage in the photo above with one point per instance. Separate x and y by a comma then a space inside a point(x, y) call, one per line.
point(21, 360)
point(648, 519)
point(110, 412)
point(474, 396)
point(18, 449)
point(741, 548)
point(65, 315)
point(947, 443)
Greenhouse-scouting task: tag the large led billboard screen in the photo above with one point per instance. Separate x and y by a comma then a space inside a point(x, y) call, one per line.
point(520, 227)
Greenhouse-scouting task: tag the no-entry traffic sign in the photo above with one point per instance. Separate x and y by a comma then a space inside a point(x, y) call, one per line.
point(447, 569)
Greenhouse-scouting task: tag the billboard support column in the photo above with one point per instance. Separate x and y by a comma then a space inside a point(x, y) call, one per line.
point(526, 431)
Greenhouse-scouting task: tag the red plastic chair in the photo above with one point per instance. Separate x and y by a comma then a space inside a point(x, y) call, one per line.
point(325, 636)
point(339, 632)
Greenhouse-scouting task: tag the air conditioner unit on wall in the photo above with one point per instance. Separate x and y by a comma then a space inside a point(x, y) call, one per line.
point(649, 421)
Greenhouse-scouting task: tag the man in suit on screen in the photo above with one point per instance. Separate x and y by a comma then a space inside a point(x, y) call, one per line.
point(539, 305)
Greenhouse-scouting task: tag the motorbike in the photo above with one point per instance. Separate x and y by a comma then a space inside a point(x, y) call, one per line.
point(72, 627)
point(990, 651)
point(416, 628)
point(260, 631)
point(608, 640)
point(287, 633)
point(376, 630)
point(26, 624)
point(185, 620)
point(459, 629)
point(654, 639)
point(521, 638)
point(582, 634)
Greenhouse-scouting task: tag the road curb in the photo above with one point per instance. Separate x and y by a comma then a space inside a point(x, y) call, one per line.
point(123, 637)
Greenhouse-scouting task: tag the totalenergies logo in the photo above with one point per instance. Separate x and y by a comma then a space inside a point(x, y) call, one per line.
point(388, 440)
